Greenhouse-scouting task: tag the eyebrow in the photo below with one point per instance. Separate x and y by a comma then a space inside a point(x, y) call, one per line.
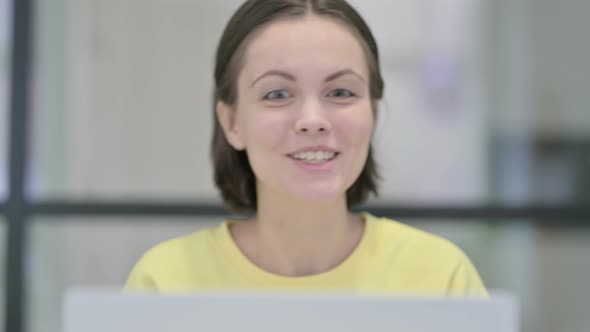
point(343, 72)
point(292, 78)
point(280, 73)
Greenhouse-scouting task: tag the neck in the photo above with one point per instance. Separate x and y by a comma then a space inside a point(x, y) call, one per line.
point(297, 237)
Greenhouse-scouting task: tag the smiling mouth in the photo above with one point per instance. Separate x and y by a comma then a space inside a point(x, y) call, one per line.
point(314, 157)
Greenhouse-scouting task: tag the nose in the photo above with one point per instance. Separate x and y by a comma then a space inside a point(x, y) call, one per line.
point(312, 119)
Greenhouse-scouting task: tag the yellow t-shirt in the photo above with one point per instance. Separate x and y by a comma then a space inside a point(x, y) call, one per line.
point(390, 258)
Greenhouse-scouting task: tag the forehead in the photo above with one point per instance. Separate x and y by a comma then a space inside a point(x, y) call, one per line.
point(309, 44)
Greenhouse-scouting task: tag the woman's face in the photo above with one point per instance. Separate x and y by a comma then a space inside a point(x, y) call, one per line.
point(303, 112)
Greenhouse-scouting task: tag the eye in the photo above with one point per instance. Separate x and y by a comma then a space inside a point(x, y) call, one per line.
point(278, 94)
point(341, 93)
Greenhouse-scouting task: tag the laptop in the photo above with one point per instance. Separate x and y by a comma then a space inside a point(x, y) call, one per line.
point(89, 310)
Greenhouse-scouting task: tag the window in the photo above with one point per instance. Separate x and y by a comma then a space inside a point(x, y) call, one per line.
point(5, 22)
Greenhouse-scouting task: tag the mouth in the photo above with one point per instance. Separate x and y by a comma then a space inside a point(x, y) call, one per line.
point(314, 157)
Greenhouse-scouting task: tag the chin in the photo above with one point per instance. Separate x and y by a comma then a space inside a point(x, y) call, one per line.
point(318, 194)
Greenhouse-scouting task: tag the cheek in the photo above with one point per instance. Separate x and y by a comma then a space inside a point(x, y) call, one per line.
point(265, 130)
point(357, 128)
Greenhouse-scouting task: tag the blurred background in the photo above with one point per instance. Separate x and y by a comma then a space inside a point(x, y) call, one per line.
point(486, 110)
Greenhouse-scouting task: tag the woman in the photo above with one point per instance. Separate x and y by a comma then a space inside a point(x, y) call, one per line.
point(296, 88)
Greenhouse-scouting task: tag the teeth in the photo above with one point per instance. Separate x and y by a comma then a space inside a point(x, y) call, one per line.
point(314, 157)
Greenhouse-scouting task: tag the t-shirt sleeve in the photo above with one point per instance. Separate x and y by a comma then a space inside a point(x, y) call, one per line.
point(466, 281)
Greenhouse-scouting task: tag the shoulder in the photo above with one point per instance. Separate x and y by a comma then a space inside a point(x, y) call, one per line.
point(419, 260)
point(169, 260)
point(176, 247)
point(411, 240)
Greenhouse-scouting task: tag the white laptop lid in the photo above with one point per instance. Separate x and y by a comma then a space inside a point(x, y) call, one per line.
point(102, 310)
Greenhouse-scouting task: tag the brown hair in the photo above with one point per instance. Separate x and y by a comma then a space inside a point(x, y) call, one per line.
point(232, 172)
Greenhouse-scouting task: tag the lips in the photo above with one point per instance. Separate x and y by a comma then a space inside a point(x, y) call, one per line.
point(314, 155)
point(311, 156)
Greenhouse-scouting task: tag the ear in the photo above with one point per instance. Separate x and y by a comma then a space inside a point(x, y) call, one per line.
point(226, 116)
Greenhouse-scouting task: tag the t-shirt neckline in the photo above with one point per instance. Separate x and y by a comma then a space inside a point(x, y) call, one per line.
point(258, 275)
